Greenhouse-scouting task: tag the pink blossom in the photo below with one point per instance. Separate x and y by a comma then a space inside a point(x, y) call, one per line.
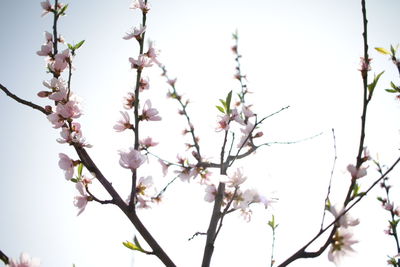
point(55, 84)
point(45, 50)
point(135, 33)
point(144, 84)
point(186, 173)
point(356, 173)
point(69, 110)
point(223, 123)
point(65, 136)
point(246, 132)
point(153, 53)
point(123, 123)
point(74, 136)
point(60, 95)
point(149, 113)
point(66, 164)
point(341, 245)
point(141, 5)
point(236, 117)
point(211, 192)
point(236, 179)
point(247, 111)
point(61, 61)
point(81, 200)
point(144, 184)
point(388, 206)
point(140, 63)
point(129, 101)
point(171, 82)
point(131, 159)
point(24, 261)
point(147, 142)
point(345, 220)
point(164, 167)
point(56, 119)
point(46, 7)
point(48, 36)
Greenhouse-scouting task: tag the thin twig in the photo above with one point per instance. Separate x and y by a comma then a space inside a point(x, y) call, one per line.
point(330, 179)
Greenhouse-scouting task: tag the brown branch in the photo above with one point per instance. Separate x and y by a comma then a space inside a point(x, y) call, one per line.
point(24, 102)
point(4, 258)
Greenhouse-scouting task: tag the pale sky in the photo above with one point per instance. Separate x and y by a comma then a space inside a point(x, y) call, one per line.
point(299, 53)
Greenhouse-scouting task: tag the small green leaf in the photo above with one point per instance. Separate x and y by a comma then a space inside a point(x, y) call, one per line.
point(223, 103)
point(228, 102)
point(220, 109)
point(371, 86)
point(80, 168)
point(70, 46)
point(382, 50)
point(79, 44)
point(132, 246)
point(272, 223)
point(391, 90)
point(397, 88)
point(393, 50)
point(74, 180)
point(136, 241)
point(63, 9)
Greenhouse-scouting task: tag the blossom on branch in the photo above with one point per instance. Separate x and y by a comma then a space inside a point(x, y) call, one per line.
point(135, 33)
point(123, 123)
point(141, 5)
point(164, 167)
point(131, 159)
point(66, 164)
point(24, 261)
point(211, 192)
point(147, 142)
point(149, 113)
point(236, 179)
point(129, 101)
point(82, 199)
point(356, 172)
point(341, 245)
point(45, 50)
point(46, 7)
point(140, 63)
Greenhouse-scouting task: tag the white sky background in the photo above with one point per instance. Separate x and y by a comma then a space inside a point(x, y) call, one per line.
point(299, 53)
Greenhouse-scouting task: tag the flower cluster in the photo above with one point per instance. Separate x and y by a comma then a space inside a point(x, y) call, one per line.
point(342, 240)
point(359, 171)
point(240, 200)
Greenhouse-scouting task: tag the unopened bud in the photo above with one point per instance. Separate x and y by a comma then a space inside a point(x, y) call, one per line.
point(44, 94)
point(48, 109)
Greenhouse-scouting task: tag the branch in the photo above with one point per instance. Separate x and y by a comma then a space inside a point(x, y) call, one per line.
point(24, 102)
point(4, 258)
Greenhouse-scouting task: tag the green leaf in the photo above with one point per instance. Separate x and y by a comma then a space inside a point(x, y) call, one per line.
point(382, 50)
point(132, 246)
point(371, 86)
point(63, 9)
point(391, 90)
point(70, 46)
point(220, 109)
point(397, 88)
point(394, 50)
point(79, 44)
point(223, 103)
point(136, 241)
point(272, 223)
point(80, 168)
point(74, 180)
point(228, 102)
